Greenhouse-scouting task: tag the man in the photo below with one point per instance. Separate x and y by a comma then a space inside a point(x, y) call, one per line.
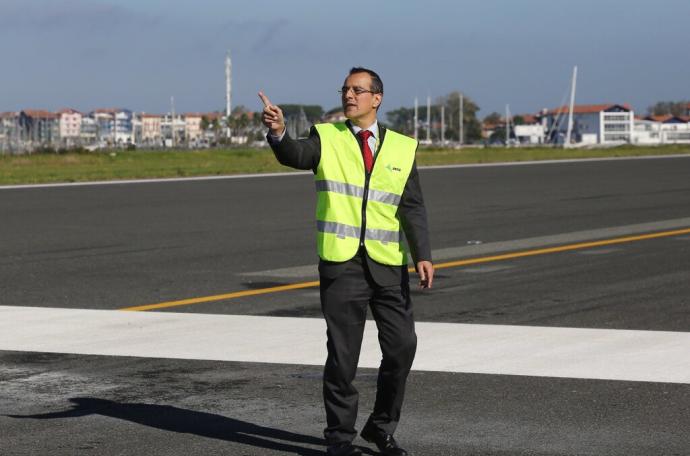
point(368, 193)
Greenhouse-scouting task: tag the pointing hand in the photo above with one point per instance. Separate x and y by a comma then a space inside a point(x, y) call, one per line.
point(272, 116)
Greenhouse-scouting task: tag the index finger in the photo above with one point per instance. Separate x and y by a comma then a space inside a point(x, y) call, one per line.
point(265, 99)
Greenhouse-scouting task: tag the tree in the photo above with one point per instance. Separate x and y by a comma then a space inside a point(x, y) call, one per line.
point(471, 126)
point(499, 135)
point(402, 119)
point(665, 108)
point(314, 113)
point(215, 126)
point(494, 118)
point(204, 123)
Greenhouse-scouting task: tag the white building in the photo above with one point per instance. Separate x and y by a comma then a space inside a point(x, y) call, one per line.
point(606, 124)
point(192, 127)
point(88, 131)
point(114, 126)
point(530, 131)
point(647, 132)
point(173, 130)
point(124, 133)
point(151, 133)
point(70, 127)
point(673, 129)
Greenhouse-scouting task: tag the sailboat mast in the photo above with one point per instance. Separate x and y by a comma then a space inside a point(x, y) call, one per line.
point(570, 110)
point(461, 119)
point(416, 118)
point(507, 126)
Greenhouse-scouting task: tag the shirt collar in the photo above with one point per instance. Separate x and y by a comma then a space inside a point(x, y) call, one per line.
point(373, 128)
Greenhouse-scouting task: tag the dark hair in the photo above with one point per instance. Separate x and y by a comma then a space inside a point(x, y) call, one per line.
point(376, 82)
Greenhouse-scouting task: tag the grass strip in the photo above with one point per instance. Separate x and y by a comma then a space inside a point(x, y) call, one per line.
point(118, 164)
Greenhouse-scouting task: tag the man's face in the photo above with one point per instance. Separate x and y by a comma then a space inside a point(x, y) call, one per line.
point(363, 105)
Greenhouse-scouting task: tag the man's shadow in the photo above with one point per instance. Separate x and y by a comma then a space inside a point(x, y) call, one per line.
point(203, 424)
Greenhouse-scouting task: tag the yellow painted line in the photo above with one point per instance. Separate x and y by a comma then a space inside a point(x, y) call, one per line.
point(449, 264)
point(222, 297)
point(562, 248)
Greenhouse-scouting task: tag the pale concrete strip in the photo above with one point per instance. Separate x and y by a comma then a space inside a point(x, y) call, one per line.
point(298, 173)
point(475, 250)
point(653, 356)
point(469, 251)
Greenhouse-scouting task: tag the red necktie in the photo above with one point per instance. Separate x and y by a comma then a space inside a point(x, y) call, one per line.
point(366, 151)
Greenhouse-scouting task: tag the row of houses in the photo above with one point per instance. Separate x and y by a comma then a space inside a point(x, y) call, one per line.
point(33, 128)
point(601, 124)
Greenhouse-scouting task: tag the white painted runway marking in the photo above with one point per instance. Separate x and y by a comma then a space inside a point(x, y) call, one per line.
point(649, 356)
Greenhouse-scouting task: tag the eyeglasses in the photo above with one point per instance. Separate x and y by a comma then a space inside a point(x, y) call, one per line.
point(356, 90)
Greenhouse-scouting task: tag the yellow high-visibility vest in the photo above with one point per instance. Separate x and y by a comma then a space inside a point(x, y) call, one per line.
point(354, 209)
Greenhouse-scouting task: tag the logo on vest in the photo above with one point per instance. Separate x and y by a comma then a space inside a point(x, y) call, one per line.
point(389, 167)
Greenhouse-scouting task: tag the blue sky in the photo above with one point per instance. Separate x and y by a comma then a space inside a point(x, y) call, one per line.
point(136, 54)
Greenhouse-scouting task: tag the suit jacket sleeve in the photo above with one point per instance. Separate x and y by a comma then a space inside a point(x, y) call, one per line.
point(298, 153)
point(413, 218)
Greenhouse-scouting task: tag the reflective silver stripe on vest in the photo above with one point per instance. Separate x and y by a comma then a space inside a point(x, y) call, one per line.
point(339, 187)
point(357, 191)
point(384, 197)
point(339, 229)
point(342, 231)
point(384, 236)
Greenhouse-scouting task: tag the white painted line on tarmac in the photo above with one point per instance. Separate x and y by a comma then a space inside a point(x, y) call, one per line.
point(153, 181)
point(552, 162)
point(302, 173)
point(631, 355)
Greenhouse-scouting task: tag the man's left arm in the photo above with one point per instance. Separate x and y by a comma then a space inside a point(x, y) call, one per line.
point(414, 222)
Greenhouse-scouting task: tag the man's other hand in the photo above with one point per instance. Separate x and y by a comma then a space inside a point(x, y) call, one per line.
point(425, 269)
point(272, 116)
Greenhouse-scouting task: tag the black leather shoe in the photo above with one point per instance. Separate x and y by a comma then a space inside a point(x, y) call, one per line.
point(385, 442)
point(343, 449)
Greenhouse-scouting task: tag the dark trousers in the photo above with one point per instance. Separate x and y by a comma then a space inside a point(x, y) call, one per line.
point(344, 302)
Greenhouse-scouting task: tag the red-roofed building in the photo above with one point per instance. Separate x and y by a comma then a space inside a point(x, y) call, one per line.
point(528, 129)
point(192, 126)
point(592, 124)
point(70, 126)
point(668, 119)
point(151, 130)
point(114, 125)
point(662, 129)
point(39, 127)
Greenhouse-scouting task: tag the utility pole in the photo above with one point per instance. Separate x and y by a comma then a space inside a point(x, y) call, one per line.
point(416, 117)
point(114, 114)
point(461, 121)
point(228, 93)
point(172, 119)
point(428, 119)
point(443, 124)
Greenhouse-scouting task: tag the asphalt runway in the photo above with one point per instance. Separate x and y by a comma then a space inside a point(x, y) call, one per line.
point(532, 317)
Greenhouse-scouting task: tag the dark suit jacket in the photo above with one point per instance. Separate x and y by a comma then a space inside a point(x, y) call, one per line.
point(306, 153)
